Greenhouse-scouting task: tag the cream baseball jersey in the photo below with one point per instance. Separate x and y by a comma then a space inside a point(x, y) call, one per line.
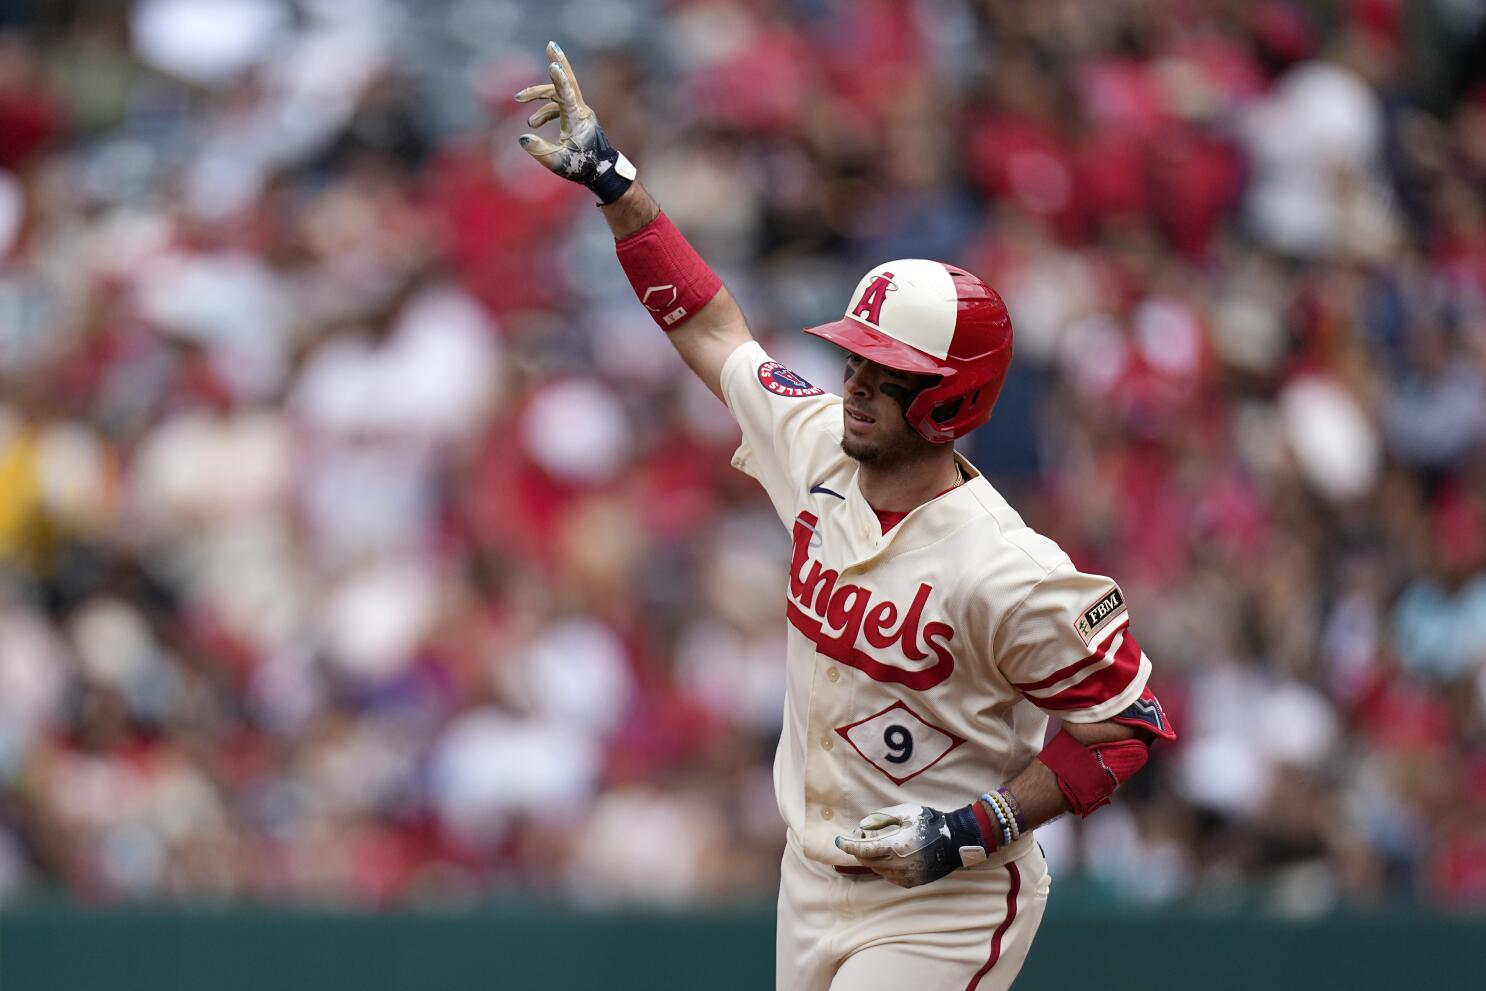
point(923, 662)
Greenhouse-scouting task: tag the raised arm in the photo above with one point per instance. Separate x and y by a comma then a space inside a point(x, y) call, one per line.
point(683, 295)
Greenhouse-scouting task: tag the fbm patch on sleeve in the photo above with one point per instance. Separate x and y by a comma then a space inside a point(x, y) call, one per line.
point(1097, 616)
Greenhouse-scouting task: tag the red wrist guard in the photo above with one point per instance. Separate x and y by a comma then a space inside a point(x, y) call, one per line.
point(1088, 775)
point(666, 273)
point(987, 828)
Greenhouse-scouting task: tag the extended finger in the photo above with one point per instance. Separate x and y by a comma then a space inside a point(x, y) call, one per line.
point(548, 112)
point(556, 54)
point(567, 93)
point(542, 91)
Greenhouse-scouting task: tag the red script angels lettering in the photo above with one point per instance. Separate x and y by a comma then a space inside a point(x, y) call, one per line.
point(819, 607)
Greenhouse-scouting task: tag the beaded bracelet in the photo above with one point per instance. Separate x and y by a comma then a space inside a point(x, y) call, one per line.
point(1011, 823)
point(1011, 830)
point(1002, 817)
point(1014, 807)
point(1005, 823)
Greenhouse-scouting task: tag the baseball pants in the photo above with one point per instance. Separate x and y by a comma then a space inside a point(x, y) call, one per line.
point(969, 931)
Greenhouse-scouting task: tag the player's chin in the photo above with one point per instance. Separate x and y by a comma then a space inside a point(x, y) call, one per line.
point(859, 450)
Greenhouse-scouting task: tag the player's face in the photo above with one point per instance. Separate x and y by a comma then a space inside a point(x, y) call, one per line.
point(873, 428)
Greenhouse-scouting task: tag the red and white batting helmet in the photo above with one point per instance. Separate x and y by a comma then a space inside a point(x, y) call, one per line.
point(925, 317)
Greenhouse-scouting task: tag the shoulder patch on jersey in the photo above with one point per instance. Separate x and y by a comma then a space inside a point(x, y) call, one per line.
point(783, 382)
point(1097, 616)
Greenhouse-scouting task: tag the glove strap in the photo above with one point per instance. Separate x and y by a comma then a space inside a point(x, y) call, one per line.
point(614, 177)
point(966, 836)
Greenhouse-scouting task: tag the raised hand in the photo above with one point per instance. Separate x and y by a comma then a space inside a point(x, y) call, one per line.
point(581, 153)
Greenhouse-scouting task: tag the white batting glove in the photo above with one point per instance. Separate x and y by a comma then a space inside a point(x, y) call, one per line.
point(911, 845)
point(582, 153)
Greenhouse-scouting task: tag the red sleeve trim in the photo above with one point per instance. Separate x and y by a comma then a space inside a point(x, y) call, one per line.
point(1072, 669)
point(1101, 686)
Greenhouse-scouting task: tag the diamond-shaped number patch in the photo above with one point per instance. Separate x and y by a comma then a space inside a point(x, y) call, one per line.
point(898, 742)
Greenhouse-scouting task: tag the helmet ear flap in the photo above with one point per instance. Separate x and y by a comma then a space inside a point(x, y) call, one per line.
point(939, 417)
point(945, 412)
point(921, 416)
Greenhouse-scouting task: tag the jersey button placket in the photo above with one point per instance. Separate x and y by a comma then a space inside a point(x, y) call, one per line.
point(822, 778)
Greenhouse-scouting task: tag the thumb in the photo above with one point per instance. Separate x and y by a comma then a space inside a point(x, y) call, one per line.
point(541, 149)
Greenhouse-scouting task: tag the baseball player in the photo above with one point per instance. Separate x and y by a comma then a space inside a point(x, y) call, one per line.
point(931, 631)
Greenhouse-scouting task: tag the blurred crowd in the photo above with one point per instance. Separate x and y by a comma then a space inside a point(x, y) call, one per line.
point(362, 542)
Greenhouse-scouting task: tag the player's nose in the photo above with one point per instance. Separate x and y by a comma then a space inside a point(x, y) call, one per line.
point(861, 378)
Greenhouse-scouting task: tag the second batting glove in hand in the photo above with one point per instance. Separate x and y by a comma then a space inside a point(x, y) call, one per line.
point(582, 152)
point(911, 845)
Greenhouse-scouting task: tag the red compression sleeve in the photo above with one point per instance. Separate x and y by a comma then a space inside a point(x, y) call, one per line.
point(1088, 775)
point(666, 273)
